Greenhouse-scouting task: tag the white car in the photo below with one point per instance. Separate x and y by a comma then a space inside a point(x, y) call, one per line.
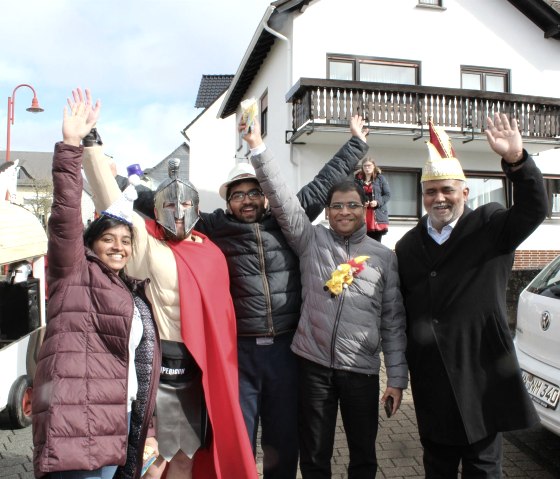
point(537, 342)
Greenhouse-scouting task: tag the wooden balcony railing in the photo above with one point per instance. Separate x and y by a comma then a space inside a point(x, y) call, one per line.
point(391, 106)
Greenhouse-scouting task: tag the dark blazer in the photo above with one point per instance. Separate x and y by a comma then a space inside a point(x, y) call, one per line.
point(460, 352)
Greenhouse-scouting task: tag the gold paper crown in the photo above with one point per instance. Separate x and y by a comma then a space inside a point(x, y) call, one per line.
point(442, 164)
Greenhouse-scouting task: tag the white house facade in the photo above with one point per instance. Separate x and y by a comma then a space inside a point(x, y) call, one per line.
point(212, 152)
point(313, 63)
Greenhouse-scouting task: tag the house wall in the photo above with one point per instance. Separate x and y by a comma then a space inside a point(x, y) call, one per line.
point(276, 78)
point(486, 33)
point(211, 160)
point(490, 33)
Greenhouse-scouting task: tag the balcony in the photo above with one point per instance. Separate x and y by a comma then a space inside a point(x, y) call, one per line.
point(392, 109)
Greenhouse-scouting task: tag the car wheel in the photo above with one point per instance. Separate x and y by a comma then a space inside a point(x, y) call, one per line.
point(19, 402)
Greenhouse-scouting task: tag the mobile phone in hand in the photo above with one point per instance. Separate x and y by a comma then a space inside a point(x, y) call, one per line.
point(147, 465)
point(389, 406)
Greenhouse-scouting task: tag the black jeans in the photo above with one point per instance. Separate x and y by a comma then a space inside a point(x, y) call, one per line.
point(481, 460)
point(321, 389)
point(268, 391)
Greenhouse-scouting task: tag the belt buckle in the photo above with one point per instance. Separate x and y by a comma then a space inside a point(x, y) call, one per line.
point(265, 341)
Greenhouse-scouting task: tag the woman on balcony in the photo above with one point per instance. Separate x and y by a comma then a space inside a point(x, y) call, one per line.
point(377, 191)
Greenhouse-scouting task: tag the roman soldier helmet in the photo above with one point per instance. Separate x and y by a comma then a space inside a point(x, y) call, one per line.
point(176, 191)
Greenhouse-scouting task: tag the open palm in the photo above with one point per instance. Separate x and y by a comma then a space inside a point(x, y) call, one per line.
point(80, 116)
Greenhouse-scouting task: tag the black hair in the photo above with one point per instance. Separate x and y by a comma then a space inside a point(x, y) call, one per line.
point(345, 187)
point(98, 226)
point(241, 180)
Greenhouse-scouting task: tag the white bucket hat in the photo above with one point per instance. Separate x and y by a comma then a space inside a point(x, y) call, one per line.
point(240, 172)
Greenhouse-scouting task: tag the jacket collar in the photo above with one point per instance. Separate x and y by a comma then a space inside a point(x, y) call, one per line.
point(356, 237)
point(423, 223)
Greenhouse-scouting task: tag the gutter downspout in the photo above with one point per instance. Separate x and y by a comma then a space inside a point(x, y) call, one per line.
point(288, 83)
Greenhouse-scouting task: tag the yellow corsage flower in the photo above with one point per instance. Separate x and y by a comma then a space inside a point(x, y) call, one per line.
point(343, 275)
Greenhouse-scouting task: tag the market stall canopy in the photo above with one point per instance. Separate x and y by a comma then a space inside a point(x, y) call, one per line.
point(21, 234)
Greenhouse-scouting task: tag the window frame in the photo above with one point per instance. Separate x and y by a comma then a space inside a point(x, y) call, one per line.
point(492, 175)
point(417, 172)
point(548, 179)
point(430, 4)
point(470, 175)
point(484, 71)
point(357, 60)
point(263, 113)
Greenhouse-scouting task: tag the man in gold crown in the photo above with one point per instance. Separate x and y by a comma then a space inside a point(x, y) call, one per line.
point(454, 266)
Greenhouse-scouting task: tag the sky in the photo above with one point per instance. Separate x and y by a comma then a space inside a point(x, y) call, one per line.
point(143, 59)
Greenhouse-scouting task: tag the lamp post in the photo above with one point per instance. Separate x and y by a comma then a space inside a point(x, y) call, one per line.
point(34, 108)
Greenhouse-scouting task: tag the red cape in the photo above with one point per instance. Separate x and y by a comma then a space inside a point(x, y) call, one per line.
point(208, 330)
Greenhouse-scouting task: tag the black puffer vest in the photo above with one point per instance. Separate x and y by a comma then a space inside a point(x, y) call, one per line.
point(264, 273)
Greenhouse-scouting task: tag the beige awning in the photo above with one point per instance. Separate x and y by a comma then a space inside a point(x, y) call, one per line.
point(21, 234)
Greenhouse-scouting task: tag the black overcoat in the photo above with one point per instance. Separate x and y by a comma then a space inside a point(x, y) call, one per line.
point(460, 351)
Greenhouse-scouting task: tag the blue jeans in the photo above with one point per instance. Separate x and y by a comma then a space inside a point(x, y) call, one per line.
point(321, 389)
point(106, 472)
point(268, 392)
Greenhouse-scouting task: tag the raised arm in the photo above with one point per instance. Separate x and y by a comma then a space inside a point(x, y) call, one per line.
point(505, 139)
point(66, 248)
point(106, 191)
point(313, 196)
point(284, 204)
point(530, 203)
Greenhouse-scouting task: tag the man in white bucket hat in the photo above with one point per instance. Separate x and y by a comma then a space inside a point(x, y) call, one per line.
point(454, 266)
point(266, 290)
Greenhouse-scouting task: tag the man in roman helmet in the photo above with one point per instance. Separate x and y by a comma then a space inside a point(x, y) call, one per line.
point(176, 204)
point(266, 291)
point(454, 266)
point(189, 292)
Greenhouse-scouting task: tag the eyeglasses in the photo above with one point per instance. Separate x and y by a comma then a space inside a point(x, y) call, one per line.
point(351, 206)
point(239, 196)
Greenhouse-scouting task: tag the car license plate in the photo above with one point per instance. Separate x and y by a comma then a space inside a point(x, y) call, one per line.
point(541, 392)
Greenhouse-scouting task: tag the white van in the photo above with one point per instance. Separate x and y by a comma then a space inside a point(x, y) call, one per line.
point(23, 246)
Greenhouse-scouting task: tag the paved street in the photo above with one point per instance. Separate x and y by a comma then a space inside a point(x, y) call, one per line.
point(528, 454)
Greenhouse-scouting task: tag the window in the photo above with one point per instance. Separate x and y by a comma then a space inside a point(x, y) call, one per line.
point(405, 193)
point(341, 69)
point(546, 282)
point(437, 3)
point(264, 113)
point(346, 67)
point(552, 186)
point(485, 79)
point(484, 190)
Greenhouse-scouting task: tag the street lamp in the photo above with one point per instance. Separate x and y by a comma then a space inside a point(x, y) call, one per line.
point(34, 108)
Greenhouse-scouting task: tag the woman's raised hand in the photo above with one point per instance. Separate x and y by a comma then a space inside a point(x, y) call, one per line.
point(79, 117)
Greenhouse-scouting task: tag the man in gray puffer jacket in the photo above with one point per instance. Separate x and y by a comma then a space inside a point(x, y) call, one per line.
point(352, 310)
point(266, 291)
